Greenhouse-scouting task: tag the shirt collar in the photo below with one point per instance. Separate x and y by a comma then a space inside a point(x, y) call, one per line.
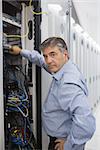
point(58, 75)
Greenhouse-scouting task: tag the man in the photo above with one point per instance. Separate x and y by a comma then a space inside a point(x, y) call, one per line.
point(67, 117)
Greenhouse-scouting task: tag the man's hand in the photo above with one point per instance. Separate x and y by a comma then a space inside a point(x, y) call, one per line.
point(60, 144)
point(15, 50)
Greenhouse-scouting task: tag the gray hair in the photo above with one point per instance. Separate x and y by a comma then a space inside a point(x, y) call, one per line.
point(52, 42)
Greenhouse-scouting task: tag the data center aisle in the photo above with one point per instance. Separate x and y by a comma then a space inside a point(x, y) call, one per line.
point(94, 143)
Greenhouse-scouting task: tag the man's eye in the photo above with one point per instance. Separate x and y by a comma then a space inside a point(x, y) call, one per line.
point(53, 54)
point(45, 56)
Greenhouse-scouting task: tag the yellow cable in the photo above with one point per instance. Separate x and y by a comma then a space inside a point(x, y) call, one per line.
point(36, 13)
point(27, 30)
point(19, 36)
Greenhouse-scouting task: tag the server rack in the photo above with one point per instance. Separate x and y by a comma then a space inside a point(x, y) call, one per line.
point(18, 117)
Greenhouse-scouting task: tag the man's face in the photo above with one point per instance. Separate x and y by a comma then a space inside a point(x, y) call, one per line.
point(54, 58)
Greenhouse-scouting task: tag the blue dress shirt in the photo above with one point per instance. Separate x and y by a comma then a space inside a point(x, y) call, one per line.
point(66, 112)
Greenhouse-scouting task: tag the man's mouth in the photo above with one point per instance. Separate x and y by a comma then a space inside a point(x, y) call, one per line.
point(51, 66)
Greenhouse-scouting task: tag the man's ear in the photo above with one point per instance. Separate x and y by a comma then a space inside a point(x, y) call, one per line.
point(66, 53)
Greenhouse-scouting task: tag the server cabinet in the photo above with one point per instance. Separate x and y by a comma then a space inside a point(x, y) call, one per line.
point(19, 85)
point(1, 86)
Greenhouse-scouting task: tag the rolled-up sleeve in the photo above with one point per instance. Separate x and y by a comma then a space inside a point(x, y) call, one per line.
point(34, 56)
point(83, 122)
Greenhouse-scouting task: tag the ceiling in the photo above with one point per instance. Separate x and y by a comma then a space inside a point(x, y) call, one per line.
point(88, 12)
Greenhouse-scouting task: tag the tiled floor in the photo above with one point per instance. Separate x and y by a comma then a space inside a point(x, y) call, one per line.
point(94, 143)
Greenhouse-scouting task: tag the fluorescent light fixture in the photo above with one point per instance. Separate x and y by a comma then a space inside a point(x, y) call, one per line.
point(54, 7)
